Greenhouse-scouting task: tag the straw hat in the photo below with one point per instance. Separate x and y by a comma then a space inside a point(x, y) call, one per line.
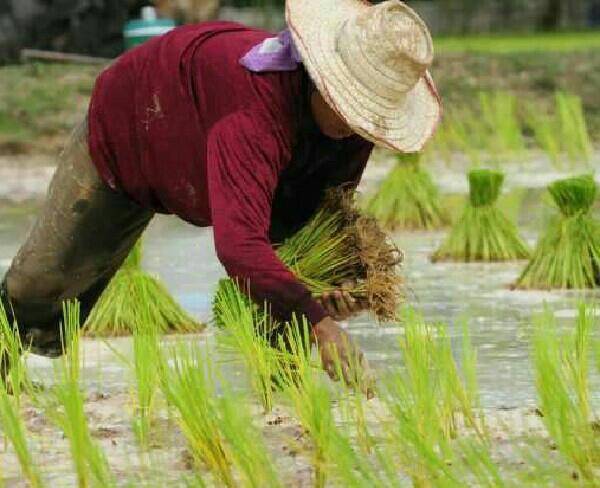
point(369, 62)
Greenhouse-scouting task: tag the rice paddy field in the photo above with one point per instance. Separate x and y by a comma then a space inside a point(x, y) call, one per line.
point(489, 375)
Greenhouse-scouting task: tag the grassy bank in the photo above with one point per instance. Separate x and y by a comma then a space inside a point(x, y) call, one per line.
point(39, 103)
point(564, 42)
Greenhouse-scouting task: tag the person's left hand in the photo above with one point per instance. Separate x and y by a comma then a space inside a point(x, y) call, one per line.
point(340, 304)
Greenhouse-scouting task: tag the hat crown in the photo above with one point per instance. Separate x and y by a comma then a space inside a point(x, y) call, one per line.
point(389, 39)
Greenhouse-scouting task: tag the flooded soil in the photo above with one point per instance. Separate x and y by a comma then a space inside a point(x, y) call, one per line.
point(184, 257)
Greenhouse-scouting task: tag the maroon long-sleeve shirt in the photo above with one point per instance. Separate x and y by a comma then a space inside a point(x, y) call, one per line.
point(181, 127)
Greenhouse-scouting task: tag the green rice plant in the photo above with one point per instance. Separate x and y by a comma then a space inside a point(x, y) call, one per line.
point(545, 132)
point(248, 330)
point(333, 454)
point(65, 408)
point(14, 429)
point(188, 384)
point(426, 402)
point(499, 114)
point(340, 245)
point(132, 293)
point(562, 370)
point(482, 233)
point(146, 350)
point(12, 366)
point(248, 449)
point(218, 429)
point(574, 133)
point(408, 198)
point(568, 253)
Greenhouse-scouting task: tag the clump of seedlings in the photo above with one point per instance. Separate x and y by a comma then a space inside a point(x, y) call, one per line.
point(249, 332)
point(483, 233)
point(217, 426)
point(146, 350)
point(408, 198)
point(340, 245)
point(562, 371)
point(65, 407)
point(131, 293)
point(11, 421)
point(431, 405)
point(568, 253)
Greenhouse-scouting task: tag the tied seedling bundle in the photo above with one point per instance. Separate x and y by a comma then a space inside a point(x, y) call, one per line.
point(483, 233)
point(340, 245)
point(408, 198)
point(133, 294)
point(568, 254)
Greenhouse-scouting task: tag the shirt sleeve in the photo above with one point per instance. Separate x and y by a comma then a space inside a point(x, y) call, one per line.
point(246, 154)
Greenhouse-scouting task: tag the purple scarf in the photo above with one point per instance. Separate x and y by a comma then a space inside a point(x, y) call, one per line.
point(273, 54)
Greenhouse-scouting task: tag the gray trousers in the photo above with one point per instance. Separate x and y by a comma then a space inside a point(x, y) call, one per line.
point(82, 236)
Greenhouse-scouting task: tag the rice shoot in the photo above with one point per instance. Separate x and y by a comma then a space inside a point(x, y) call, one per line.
point(562, 369)
point(483, 233)
point(133, 293)
point(567, 255)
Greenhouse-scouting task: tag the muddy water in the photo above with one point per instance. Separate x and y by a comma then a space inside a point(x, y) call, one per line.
point(183, 256)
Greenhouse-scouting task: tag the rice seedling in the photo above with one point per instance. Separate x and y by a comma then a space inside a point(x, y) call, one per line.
point(574, 134)
point(545, 132)
point(219, 430)
point(408, 198)
point(14, 429)
point(248, 332)
point(12, 367)
point(132, 293)
point(65, 408)
point(340, 245)
point(568, 253)
point(499, 114)
point(428, 403)
point(146, 350)
point(562, 369)
point(482, 233)
point(333, 453)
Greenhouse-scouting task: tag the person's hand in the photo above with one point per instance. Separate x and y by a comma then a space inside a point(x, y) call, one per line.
point(339, 354)
point(340, 304)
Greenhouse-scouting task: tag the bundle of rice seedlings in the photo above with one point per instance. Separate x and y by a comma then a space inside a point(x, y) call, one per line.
point(340, 245)
point(132, 293)
point(482, 233)
point(408, 198)
point(562, 370)
point(568, 254)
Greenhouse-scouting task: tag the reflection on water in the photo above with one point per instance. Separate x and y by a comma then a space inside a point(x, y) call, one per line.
point(499, 319)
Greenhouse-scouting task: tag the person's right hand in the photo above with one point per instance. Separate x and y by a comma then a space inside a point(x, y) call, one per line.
point(339, 352)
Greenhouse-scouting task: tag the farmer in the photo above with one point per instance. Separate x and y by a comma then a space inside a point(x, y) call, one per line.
point(229, 127)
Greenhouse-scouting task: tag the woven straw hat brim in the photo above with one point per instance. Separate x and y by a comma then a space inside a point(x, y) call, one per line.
point(404, 125)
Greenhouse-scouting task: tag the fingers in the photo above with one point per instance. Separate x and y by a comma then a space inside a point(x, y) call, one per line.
point(340, 304)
